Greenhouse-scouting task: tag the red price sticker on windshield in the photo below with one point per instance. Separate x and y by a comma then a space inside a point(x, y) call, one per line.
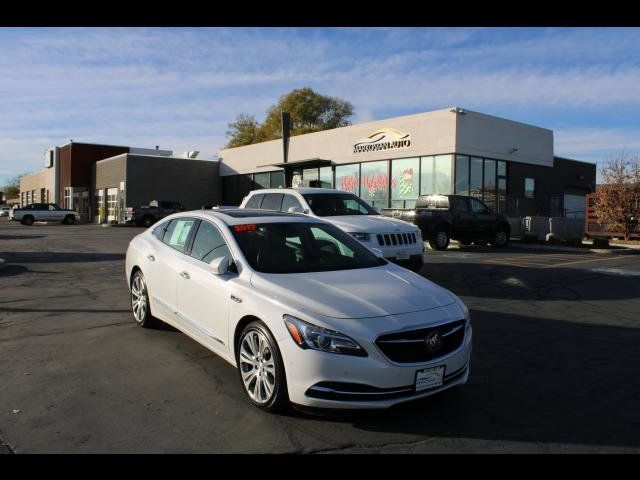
point(245, 228)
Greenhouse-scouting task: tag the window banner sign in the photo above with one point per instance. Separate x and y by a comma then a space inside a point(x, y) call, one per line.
point(383, 139)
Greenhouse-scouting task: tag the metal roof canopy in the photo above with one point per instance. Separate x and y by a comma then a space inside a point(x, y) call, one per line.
point(310, 162)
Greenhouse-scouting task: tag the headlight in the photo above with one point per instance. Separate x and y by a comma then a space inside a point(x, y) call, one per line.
point(311, 336)
point(363, 237)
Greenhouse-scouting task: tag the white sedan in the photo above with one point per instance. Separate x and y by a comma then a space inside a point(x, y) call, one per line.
point(306, 313)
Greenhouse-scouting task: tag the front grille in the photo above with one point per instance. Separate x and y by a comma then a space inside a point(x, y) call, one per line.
point(410, 346)
point(387, 239)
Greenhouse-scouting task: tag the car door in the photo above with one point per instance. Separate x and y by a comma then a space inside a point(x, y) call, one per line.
point(483, 217)
point(463, 219)
point(161, 264)
point(203, 297)
point(54, 213)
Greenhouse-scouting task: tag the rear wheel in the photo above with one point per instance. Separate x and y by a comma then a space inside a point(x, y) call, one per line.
point(500, 237)
point(147, 221)
point(261, 369)
point(27, 220)
point(439, 240)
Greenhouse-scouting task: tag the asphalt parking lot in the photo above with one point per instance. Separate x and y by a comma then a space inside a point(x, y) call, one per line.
point(555, 365)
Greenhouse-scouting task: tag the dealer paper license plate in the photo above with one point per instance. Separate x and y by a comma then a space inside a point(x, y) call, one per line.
point(429, 378)
point(402, 255)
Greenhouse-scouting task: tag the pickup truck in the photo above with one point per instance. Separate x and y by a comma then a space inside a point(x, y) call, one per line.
point(43, 212)
point(147, 215)
point(445, 217)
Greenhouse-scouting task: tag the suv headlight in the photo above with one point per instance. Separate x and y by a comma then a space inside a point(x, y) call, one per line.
point(363, 237)
point(311, 336)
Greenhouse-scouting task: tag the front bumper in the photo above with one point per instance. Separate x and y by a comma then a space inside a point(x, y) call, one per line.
point(325, 380)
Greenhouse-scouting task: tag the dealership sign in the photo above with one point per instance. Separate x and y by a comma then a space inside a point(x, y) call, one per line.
point(383, 139)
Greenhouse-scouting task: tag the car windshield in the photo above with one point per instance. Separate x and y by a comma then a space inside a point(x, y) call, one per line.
point(301, 247)
point(333, 205)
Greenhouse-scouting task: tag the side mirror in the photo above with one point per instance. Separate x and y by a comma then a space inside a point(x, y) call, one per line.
point(219, 266)
point(297, 210)
point(377, 252)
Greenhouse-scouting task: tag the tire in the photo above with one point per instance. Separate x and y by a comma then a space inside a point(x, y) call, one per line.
point(148, 221)
point(267, 389)
point(69, 220)
point(439, 239)
point(140, 296)
point(27, 220)
point(500, 237)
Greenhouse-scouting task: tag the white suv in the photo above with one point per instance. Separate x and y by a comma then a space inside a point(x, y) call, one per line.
point(398, 241)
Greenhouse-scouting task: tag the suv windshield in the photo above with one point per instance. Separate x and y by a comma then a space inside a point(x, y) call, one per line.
point(301, 247)
point(337, 204)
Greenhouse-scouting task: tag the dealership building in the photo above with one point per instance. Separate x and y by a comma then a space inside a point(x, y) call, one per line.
point(509, 165)
point(92, 178)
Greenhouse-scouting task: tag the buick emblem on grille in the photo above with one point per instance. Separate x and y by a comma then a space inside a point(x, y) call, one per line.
point(433, 341)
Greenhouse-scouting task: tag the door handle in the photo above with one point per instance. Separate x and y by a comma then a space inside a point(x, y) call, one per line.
point(185, 275)
point(151, 258)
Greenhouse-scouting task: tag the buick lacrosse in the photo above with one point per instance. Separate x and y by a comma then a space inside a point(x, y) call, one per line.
point(305, 312)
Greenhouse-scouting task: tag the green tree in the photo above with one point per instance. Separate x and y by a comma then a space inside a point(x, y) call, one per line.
point(12, 188)
point(310, 112)
point(244, 130)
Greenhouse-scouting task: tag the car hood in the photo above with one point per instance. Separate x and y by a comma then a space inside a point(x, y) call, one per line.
point(370, 224)
point(357, 293)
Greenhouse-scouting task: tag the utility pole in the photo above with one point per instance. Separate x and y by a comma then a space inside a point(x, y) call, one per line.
point(286, 133)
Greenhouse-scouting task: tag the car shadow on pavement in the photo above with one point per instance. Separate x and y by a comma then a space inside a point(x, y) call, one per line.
point(532, 380)
point(59, 257)
point(505, 281)
point(20, 237)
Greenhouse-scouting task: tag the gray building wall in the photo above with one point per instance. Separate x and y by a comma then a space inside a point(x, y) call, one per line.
point(192, 182)
point(110, 172)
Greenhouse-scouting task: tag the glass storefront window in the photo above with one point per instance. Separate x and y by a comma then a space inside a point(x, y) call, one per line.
point(326, 177)
point(404, 182)
point(475, 184)
point(502, 168)
point(348, 178)
point(374, 184)
point(502, 195)
point(310, 177)
point(261, 180)
point(490, 183)
point(435, 175)
point(529, 187)
point(277, 179)
point(462, 175)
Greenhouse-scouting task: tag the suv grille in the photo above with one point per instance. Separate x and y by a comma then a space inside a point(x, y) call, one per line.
point(411, 346)
point(386, 239)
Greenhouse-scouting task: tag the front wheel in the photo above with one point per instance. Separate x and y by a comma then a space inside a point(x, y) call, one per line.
point(147, 221)
point(69, 220)
point(500, 237)
point(261, 369)
point(27, 220)
point(140, 301)
point(439, 240)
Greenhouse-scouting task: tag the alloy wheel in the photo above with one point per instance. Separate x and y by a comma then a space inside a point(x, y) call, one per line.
point(257, 366)
point(139, 298)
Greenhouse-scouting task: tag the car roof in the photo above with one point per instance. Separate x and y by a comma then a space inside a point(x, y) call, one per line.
point(300, 190)
point(239, 216)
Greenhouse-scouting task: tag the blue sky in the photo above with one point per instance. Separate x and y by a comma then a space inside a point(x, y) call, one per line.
point(179, 88)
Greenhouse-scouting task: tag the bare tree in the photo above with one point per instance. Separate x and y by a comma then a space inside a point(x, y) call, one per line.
point(617, 203)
